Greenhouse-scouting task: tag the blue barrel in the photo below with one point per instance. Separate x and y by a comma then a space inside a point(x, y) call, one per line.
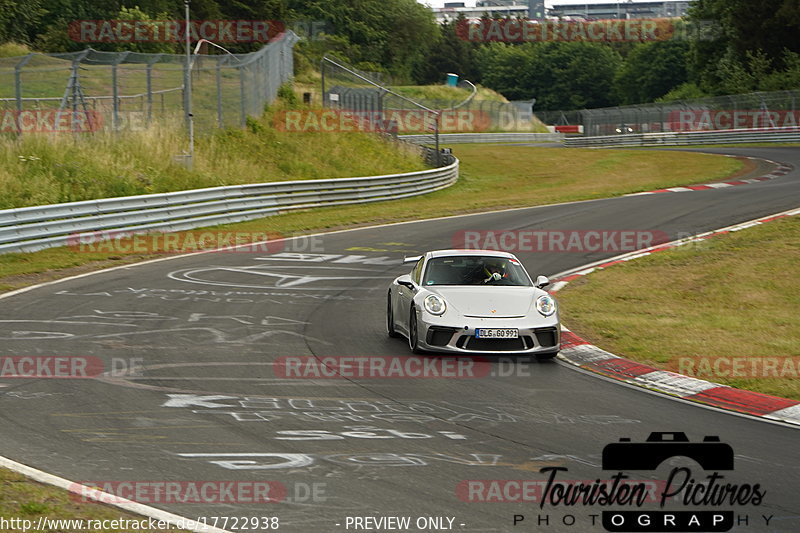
point(452, 79)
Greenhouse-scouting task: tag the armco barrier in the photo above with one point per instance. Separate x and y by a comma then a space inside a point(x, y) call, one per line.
point(464, 138)
point(766, 135)
point(28, 229)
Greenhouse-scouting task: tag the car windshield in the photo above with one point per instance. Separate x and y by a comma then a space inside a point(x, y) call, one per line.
point(475, 270)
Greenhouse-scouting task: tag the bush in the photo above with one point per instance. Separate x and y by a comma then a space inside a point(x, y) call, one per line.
point(684, 91)
point(12, 49)
point(286, 93)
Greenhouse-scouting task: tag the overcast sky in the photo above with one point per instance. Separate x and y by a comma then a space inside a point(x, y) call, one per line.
point(547, 3)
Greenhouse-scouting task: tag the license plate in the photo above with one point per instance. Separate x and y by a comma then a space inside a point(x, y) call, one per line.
point(494, 333)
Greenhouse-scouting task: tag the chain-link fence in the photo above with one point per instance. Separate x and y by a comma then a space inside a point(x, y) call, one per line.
point(367, 105)
point(559, 118)
point(742, 111)
point(368, 96)
point(129, 90)
point(477, 116)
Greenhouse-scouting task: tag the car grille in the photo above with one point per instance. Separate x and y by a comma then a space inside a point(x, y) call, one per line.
point(505, 317)
point(495, 345)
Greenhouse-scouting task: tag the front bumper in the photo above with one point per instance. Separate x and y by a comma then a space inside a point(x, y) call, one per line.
point(534, 338)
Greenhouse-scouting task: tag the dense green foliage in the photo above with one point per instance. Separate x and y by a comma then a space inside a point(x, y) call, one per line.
point(559, 75)
point(651, 71)
point(757, 48)
point(754, 46)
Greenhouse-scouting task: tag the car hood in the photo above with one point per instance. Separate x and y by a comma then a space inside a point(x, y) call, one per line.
point(489, 302)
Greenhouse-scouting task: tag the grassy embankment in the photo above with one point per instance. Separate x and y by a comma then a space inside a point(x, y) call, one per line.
point(487, 113)
point(445, 92)
point(22, 499)
point(733, 296)
point(485, 105)
point(45, 169)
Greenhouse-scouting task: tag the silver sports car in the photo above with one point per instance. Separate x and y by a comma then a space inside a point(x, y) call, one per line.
point(473, 301)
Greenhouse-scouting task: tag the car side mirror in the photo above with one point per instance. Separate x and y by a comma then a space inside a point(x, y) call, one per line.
point(542, 282)
point(405, 281)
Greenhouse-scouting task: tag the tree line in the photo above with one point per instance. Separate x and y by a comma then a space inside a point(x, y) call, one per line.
point(754, 46)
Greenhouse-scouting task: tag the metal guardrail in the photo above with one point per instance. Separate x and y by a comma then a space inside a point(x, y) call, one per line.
point(464, 138)
point(768, 135)
point(28, 229)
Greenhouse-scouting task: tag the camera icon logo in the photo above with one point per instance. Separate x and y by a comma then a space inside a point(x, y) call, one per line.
point(711, 454)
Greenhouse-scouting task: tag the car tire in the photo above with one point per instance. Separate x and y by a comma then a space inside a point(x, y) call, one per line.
point(413, 333)
point(546, 356)
point(390, 318)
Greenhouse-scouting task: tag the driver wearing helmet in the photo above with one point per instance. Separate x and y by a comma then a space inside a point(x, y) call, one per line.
point(493, 269)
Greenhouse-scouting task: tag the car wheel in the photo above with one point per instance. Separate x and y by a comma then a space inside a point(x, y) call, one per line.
point(390, 318)
point(413, 333)
point(545, 356)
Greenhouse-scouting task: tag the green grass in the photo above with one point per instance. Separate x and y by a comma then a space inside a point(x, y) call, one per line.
point(432, 92)
point(731, 296)
point(492, 177)
point(491, 111)
point(23, 499)
point(744, 145)
point(445, 92)
point(42, 169)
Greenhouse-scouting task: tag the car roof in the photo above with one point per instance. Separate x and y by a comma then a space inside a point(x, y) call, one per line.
point(485, 253)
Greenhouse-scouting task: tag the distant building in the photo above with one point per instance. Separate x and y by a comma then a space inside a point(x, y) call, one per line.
point(493, 8)
point(622, 10)
point(535, 9)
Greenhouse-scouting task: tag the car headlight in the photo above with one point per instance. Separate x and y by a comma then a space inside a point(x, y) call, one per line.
point(546, 304)
point(434, 304)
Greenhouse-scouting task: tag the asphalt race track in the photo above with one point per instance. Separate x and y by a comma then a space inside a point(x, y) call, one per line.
point(195, 396)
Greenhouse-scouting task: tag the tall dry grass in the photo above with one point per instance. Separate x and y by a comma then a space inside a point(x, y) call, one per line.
point(46, 168)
